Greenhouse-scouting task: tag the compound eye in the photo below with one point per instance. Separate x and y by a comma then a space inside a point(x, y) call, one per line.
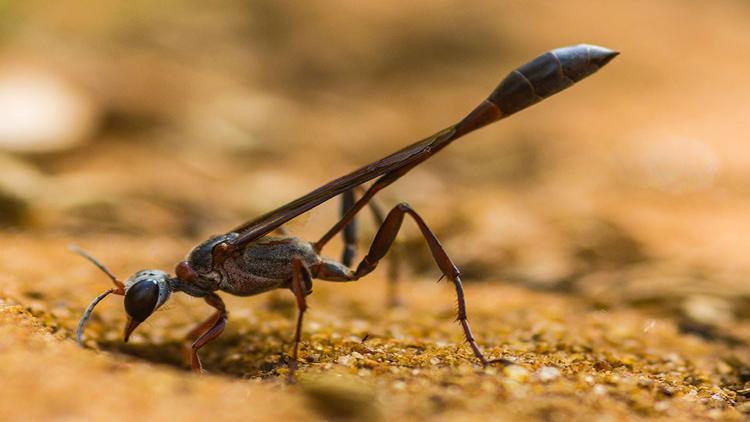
point(141, 299)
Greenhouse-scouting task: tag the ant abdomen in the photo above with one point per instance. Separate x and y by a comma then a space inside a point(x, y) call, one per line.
point(548, 74)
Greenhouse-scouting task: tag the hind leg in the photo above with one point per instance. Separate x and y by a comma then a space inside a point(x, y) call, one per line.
point(382, 243)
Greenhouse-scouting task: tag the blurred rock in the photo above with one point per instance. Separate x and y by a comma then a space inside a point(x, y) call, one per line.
point(239, 122)
point(669, 289)
point(672, 163)
point(20, 183)
point(708, 310)
point(41, 111)
point(603, 244)
point(341, 397)
point(13, 209)
point(709, 332)
point(19, 177)
point(88, 202)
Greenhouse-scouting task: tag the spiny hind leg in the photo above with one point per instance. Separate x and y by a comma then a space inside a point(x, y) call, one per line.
point(384, 240)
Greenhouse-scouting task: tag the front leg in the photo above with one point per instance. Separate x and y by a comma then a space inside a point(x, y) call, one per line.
point(207, 331)
point(187, 345)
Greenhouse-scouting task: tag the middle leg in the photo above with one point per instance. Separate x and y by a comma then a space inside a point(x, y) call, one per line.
point(349, 234)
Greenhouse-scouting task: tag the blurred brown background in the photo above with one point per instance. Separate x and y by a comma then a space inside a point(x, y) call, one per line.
point(136, 129)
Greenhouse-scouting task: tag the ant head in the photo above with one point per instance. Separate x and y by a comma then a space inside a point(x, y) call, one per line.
point(145, 291)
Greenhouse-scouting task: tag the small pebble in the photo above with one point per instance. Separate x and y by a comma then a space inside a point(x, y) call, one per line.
point(344, 360)
point(41, 111)
point(516, 372)
point(744, 408)
point(341, 397)
point(645, 382)
point(661, 406)
point(548, 373)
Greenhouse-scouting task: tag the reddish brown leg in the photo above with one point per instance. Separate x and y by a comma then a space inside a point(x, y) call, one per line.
point(195, 333)
point(350, 242)
point(394, 260)
point(383, 241)
point(349, 233)
point(300, 277)
point(211, 329)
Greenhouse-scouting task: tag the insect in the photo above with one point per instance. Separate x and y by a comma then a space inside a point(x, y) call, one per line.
point(250, 259)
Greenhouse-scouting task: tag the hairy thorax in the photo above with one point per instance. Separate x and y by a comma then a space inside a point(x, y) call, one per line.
point(265, 265)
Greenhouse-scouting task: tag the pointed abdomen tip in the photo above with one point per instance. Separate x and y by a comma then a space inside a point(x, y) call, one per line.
point(601, 55)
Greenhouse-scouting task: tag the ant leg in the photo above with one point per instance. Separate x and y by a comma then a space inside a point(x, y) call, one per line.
point(394, 261)
point(300, 274)
point(217, 323)
point(349, 233)
point(193, 335)
point(383, 241)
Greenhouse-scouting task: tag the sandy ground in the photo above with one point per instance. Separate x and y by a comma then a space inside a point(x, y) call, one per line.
point(571, 358)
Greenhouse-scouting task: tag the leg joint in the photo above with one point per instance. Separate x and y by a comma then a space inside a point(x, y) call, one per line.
point(404, 206)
